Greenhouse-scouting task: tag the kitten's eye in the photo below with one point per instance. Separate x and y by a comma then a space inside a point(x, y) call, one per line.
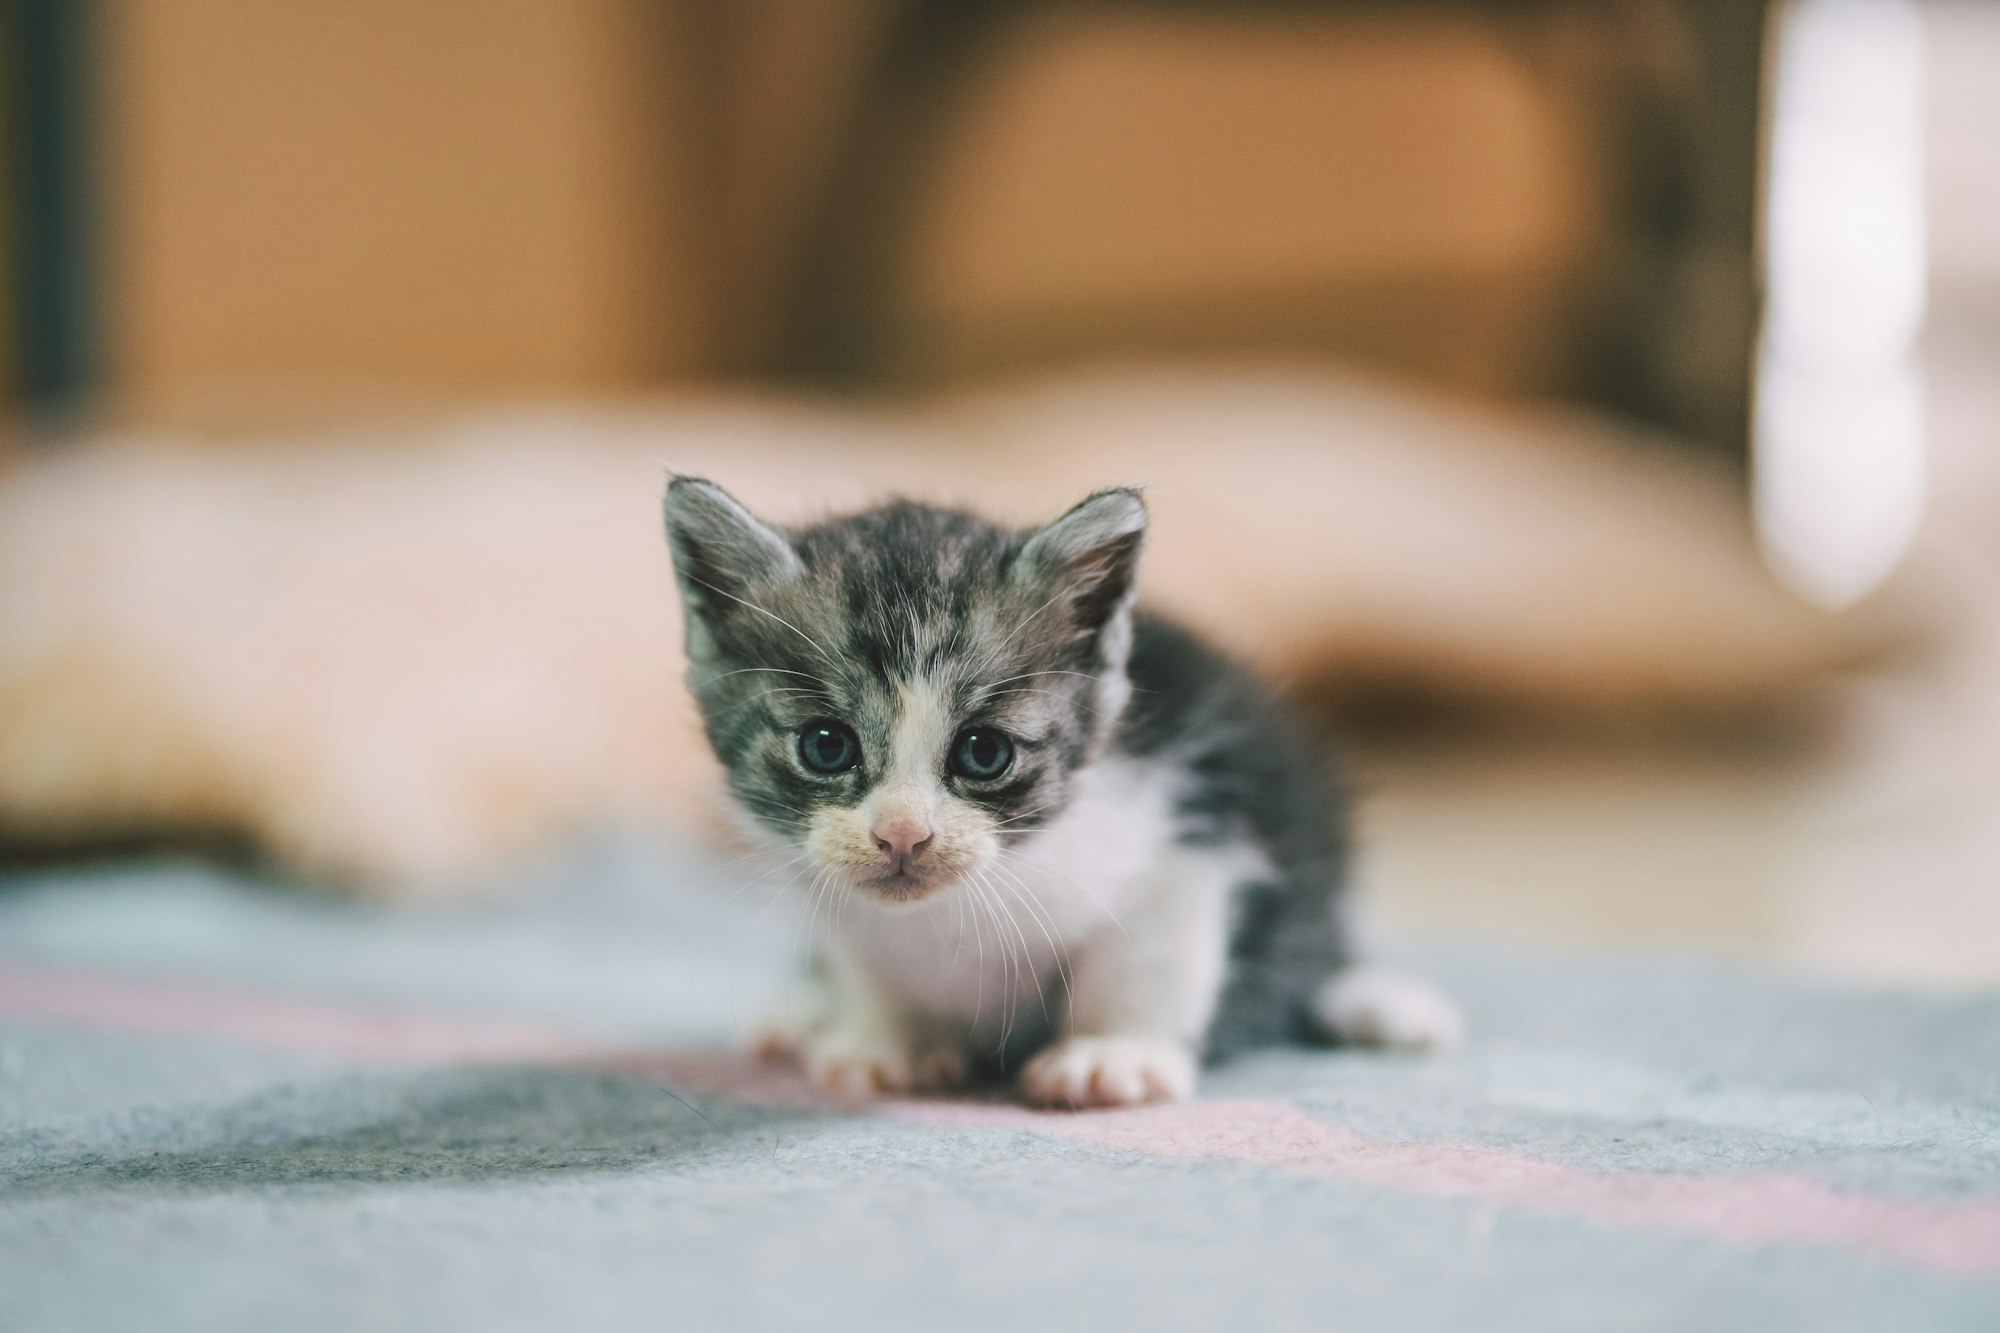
point(827, 746)
point(981, 753)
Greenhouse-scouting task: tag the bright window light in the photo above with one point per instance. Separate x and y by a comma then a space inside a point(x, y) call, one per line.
point(1839, 430)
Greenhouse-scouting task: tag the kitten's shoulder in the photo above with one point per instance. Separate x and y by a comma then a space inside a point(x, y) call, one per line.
point(1178, 678)
point(1252, 764)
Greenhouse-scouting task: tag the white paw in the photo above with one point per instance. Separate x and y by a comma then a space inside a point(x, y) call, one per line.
point(856, 1060)
point(1110, 1071)
point(1378, 1006)
point(787, 1029)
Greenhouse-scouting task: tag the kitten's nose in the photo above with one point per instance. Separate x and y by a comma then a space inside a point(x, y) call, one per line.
point(902, 840)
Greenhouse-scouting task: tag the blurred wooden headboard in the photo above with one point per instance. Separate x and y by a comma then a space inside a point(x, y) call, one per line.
point(1516, 199)
point(1528, 198)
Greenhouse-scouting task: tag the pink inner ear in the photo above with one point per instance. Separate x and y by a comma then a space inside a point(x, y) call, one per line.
point(1101, 577)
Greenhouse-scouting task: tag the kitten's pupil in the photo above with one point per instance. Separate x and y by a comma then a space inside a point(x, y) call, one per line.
point(982, 753)
point(828, 747)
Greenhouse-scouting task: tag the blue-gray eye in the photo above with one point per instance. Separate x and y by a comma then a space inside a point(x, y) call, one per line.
point(981, 753)
point(827, 746)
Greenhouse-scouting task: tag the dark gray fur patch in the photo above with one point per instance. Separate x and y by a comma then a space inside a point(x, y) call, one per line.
point(908, 590)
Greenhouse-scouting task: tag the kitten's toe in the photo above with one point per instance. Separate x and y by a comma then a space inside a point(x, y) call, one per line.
point(784, 1032)
point(855, 1063)
point(777, 1045)
point(1379, 1006)
point(1110, 1071)
point(938, 1068)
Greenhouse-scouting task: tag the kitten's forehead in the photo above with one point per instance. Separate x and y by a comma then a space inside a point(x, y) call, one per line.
point(905, 587)
point(939, 673)
point(903, 593)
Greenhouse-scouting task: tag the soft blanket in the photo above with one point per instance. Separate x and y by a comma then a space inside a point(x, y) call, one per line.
point(229, 1106)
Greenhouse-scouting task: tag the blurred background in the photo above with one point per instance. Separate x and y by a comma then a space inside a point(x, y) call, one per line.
point(1588, 408)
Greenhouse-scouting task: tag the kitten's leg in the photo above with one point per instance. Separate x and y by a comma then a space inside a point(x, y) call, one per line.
point(803, 1008)
point(869, 1044)
point(1140, 1001)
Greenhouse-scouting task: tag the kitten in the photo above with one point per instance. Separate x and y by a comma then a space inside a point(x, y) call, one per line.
point(1036, 823)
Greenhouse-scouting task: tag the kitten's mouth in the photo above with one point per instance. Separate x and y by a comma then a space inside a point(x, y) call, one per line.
point(903, 885)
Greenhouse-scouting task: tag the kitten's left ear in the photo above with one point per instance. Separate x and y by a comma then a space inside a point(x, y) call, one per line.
point(1092, 553)
point(721, 551)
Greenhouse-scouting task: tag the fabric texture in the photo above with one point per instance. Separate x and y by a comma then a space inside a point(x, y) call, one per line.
point(227, 1105)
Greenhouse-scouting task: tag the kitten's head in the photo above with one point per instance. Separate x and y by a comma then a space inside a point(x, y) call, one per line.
point(903, 692)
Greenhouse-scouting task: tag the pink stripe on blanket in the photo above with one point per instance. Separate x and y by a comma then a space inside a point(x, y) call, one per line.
point(179, 1010)
point(1961, 1239)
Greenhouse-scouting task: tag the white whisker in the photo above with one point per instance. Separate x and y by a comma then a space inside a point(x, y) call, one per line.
point(1037, 864)
point(789, 692)
point(742, 671)
point(1029, 689)
point(1029, 675)
point(1006, 959)
point(1060, 594)
point(979, 976)
point(1003, 823)
point(786, 888)
point(1046, 923)
point(1024, 961)
point(1056, 954)
point(775, 616)
point(747, 884)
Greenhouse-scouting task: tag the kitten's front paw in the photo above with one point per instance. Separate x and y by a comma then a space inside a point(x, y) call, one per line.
point(857, 1061)
point(785, 1032)
point(1110, 1071)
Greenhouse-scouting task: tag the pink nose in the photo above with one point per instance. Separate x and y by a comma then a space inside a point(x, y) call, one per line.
point(902, 840)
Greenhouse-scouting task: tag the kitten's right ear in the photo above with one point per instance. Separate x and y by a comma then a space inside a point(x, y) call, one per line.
point(720, 549)
point(1091, 553)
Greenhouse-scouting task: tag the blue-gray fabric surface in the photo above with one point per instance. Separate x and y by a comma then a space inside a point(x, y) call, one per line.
point(155, 1173)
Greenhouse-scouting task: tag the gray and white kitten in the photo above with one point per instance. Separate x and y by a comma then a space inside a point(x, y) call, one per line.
point(1043, 830)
